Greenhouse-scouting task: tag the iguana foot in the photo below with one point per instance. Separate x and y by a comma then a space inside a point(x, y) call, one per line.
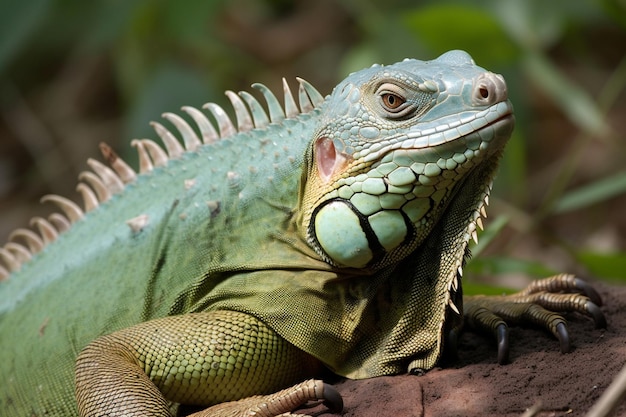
point(536, 304)
point(280, 403)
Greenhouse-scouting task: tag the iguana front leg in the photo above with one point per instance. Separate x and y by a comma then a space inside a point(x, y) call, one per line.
point(541, 303)
point(197, 359)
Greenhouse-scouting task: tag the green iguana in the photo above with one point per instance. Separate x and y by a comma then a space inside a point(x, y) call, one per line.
point(329, 235)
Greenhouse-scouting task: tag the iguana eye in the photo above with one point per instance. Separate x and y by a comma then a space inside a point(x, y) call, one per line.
point(392, 101)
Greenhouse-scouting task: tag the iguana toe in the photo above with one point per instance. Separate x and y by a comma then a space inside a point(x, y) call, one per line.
point(563, 283)
point(281, 403)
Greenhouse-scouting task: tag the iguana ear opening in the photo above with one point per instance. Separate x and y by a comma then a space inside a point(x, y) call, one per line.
point(328, 160)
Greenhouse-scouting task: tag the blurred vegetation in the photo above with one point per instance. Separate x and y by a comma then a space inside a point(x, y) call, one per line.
point(75, 73)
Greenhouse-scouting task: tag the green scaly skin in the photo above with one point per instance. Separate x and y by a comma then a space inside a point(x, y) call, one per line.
point(334, 237)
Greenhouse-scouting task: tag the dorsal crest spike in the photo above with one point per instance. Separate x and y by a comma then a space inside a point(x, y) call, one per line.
point(71, 209)
point(123, 170)
point(33, 241)
point(90, 201)
point(45, 228)
point(207, 130)
point(291, 110)
point(277, 114)
point(303, 98)
point(60, 222)
point(316, 98)
point(224, 123)
point(258, 114)
point(190, 139)
point(96, 183)
point(173, 146)
point(20, 252)
point(145, 163)
point(108, 176)
point(9, 260)
point(244, 120)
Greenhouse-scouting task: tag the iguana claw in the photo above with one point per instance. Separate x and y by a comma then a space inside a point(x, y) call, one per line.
point(332, 399)
point(589, 291)
point(537, 304)
point(594, 311)
point(502, 336)
point(563, 336)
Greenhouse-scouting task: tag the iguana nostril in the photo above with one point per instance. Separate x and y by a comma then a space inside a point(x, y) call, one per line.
point(489, 88)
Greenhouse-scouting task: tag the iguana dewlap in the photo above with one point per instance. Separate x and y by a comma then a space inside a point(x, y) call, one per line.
point(248, 256)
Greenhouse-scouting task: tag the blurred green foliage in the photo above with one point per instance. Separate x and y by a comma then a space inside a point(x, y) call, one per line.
point(562, 181)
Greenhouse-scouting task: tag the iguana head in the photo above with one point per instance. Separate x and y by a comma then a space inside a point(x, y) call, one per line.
point(394, 146)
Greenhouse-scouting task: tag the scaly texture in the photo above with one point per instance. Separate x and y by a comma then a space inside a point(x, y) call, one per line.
point(247, 255)
point(201, 358)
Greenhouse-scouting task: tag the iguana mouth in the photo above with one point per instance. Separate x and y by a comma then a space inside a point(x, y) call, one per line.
point(426, 138)
point(505, 121)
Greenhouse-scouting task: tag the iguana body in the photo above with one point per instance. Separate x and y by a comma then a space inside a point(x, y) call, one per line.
point(333, 237)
